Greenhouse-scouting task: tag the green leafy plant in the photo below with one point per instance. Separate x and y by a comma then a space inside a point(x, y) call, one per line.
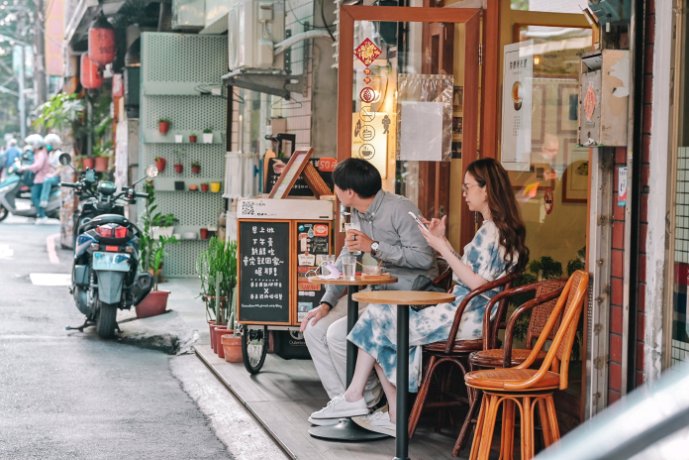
point(60, 112)
point(217, 269)
point(195, 164)
point(207, 131)
point(164, 120)
point(153, 250)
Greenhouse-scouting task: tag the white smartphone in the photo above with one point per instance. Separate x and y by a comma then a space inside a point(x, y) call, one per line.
point(418, 221)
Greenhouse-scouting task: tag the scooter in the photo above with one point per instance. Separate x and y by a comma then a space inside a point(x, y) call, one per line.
point(11, 191)
point(105, 274)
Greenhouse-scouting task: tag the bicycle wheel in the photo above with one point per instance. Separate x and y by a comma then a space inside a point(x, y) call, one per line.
point(254, 348)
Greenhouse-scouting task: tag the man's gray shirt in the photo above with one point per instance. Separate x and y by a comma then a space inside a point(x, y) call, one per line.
point(403, 250)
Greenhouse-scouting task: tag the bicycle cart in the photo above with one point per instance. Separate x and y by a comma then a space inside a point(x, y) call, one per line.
point(280, 241)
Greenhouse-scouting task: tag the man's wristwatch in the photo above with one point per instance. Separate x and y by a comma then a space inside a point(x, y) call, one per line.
point(374, 248)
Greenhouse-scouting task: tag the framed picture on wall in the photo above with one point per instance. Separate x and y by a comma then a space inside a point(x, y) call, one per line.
point(575, 180)
point(568, 108)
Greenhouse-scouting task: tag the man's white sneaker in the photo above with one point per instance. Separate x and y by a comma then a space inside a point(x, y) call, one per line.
point(324, 421)
point(339, 407)
point(378, 421)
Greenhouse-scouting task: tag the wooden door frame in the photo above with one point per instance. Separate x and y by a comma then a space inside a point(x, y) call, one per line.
point(471, 19)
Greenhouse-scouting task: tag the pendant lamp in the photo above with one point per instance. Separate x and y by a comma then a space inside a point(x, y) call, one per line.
point(89, 73)
point(101, 41)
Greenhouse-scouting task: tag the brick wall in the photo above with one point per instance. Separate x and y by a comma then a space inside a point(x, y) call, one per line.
point(639, 278)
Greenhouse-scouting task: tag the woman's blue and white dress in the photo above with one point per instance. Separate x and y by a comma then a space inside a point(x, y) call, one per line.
point(376, 330)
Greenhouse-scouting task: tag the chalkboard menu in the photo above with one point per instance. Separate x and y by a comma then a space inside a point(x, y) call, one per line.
point(264, 274)
point(324, 166)
point(313, 242)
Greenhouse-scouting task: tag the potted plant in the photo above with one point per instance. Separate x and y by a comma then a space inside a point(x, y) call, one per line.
point(102, 159)
point(195, 167)
point(162, 225)
point(193, 138)
point(179, 138)
point(163, 126)
point(160, 163)
point(153, 251)
point(207, 136)
point(204, 186)
point(179, 167)
point(217, 270)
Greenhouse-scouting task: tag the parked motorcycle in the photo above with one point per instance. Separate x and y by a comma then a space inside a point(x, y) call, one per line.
point(15, 187)
point(105, 275)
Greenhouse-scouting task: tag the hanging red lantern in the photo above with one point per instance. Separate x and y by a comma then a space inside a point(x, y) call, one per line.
point(89, 73)
point(101, 41)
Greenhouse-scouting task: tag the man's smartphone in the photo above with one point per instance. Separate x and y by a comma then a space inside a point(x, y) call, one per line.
point(418, 221)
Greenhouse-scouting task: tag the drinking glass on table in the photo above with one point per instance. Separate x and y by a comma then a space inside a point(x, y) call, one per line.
point(348, 267)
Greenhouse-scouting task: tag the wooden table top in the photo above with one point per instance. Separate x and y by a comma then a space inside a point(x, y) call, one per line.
point(359, 280)
point(404, 297)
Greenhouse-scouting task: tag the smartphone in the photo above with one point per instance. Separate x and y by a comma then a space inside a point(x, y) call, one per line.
point(418, 221)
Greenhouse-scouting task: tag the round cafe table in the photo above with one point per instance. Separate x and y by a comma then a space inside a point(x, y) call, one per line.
point(403, 299)
point(345, 429)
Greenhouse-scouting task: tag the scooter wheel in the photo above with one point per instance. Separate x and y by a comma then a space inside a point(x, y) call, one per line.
point(107, 321)
point(3, 213)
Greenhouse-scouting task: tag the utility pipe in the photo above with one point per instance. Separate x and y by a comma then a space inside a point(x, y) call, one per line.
point(282, 46)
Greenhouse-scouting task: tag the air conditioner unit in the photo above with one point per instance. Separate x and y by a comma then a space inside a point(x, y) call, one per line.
point(253, 28)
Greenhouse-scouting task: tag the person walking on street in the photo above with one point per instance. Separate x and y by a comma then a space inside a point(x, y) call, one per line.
point(41, 168)
point(391, 237)
point(11, 154)
point(52, 145)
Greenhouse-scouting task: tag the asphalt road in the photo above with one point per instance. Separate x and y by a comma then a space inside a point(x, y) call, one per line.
point(67, 394)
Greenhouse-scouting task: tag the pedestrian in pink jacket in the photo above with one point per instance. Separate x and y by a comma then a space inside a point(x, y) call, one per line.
point(42, 168)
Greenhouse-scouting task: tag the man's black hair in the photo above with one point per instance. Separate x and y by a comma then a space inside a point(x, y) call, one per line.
point(358, 175)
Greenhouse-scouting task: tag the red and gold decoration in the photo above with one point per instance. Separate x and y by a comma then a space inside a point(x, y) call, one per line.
point(101, 41)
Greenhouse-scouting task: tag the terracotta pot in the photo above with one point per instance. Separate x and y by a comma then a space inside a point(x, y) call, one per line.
point(153, 304)
point(193, 138)
point(204, 186)
point(214, 338)
point(203, 233)
point(88, 162)
point(211, 325)
point(219, 332)
point(163, 127)
point(232, 348)
point(101, 164)
point(179, 168)
point(195, 169)
point(160, 163)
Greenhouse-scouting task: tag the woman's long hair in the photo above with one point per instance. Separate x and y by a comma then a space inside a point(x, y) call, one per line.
point(503, 210)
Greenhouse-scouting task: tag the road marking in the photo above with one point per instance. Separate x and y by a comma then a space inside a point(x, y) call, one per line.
point(51, 244)
point(6, 252)
point(50, 279)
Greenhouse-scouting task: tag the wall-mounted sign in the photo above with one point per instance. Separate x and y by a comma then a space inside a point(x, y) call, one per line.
point(370, 138)
point(516, 106)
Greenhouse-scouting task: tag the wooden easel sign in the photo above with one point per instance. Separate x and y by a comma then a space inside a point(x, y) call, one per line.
point(299, 163)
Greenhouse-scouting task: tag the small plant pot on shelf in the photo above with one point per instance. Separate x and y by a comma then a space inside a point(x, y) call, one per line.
point(163, 127)
point(203, 233)
point(215, 187)
point(155, 303)
point(207, 138)
point(204, 186)
point(179, 185)
point(160, 163)
point(193, 138)
point(196, 169)
point(179, 138)
point(232, 348)
point(157, 232)
point(179, 168)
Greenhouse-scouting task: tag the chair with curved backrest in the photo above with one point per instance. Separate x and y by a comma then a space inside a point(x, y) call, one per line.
point(523, 389)
point(541, 305)
point(453, 351)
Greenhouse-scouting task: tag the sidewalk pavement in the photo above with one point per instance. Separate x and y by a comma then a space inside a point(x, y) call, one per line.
point(175, 331)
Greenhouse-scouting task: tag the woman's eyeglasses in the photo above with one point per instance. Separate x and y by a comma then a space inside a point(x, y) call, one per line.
point(466, 187)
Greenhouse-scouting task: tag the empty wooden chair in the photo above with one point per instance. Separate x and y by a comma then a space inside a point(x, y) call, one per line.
point(541, 305)
point(453, 351)
point(523, 390)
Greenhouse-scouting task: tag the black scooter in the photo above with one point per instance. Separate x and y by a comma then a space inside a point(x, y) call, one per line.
point(105, 274)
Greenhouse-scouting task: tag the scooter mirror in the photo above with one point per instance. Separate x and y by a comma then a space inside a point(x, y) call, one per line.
point(151, 171)
point(65, 159)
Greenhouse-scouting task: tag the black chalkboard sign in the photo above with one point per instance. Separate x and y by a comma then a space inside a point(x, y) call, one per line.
point(264, 271)
point(324, 166)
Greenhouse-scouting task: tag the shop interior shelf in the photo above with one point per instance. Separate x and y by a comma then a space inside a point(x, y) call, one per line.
point(180, 88)
point(153, 136)
point(167, 184)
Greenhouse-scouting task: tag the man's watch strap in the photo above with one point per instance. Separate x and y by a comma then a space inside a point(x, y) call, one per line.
point(375, 246)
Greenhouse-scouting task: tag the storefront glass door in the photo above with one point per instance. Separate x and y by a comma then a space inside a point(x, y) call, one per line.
point(407, 77)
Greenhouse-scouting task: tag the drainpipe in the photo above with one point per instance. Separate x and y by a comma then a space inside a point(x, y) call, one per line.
point(633, 217)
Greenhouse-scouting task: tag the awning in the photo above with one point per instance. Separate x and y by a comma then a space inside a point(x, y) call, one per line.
point(83, 14)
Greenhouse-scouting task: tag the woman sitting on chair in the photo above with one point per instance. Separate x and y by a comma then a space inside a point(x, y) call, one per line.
point(497, 248)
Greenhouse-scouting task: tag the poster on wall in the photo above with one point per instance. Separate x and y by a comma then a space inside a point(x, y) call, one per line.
point(516, 105)
point(370, 131)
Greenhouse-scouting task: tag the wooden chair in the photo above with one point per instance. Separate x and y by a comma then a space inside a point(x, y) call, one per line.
point(541, 305)
point(523, 389)
point(453, 351)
